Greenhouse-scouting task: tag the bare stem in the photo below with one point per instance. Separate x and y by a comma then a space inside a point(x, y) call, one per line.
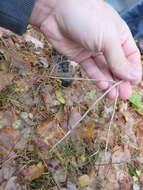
point(82, 79)
point(85, 114)
point(110, 124)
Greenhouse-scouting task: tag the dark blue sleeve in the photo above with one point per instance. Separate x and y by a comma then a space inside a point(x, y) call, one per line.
point(134, 19)
point(14, 14)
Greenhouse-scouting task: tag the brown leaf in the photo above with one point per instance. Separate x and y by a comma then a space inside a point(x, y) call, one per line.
point(48, 99)
point(4, 153)
point(139, 134)
point(74, 117)
point(120, 155)
point(5, 79)
point(8, 170)
point(12, 184)
point(12, 132)
point(16, 60)
point(53, 164)
point(89, 132)
point(35, 171)
point(49, 132)
point(8, 137)
point(7, 118)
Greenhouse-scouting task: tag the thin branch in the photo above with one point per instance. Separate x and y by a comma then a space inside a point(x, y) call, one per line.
point(82, 79)
point(110, 124)
point(94, 154)
point(85, 114)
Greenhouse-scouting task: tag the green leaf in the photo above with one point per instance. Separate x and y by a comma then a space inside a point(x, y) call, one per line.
point(136, 100)
point(60, 97)
point(91, 94)
point(132, 170)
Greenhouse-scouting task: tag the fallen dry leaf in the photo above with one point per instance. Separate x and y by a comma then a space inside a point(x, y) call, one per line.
point(5, 79)
point(74, 117)
point(71, 186)
point(49, 101)
point(12, 184)
point(139, 134)
point(49, 132)
point(35, 171)
point(8, 137)
point(89, 131)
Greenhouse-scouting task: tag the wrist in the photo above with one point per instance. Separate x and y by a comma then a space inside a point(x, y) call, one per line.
point(41, 11)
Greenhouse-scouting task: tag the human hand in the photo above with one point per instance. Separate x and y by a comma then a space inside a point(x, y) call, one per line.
point(92, 34)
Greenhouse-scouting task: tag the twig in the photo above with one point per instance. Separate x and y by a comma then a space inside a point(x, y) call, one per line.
point(93, 154)
point(85, 114)
point(83, 79)
point(110, 124)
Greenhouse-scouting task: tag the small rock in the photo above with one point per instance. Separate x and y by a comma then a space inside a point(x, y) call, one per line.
point(84, 181)
point(24, 115)
point(60, 176)
point(17, 124)
point(136, 186)
point(30, 115)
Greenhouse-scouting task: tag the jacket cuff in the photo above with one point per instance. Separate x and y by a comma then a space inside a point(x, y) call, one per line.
point(14, 14)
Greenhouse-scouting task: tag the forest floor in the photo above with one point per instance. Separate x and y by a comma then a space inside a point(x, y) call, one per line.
point(37, 111)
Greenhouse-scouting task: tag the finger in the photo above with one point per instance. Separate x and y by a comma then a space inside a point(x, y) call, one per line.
point(103, 66)
point(125, 94)
point(94, 72)
point(112, 94)
point(118, 63)
point(124, 90)
point(132, 53)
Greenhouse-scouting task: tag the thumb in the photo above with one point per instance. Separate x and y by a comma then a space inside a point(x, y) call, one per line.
point(119, 64)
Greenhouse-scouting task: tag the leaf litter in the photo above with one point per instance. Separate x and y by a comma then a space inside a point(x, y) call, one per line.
point(40, 105)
